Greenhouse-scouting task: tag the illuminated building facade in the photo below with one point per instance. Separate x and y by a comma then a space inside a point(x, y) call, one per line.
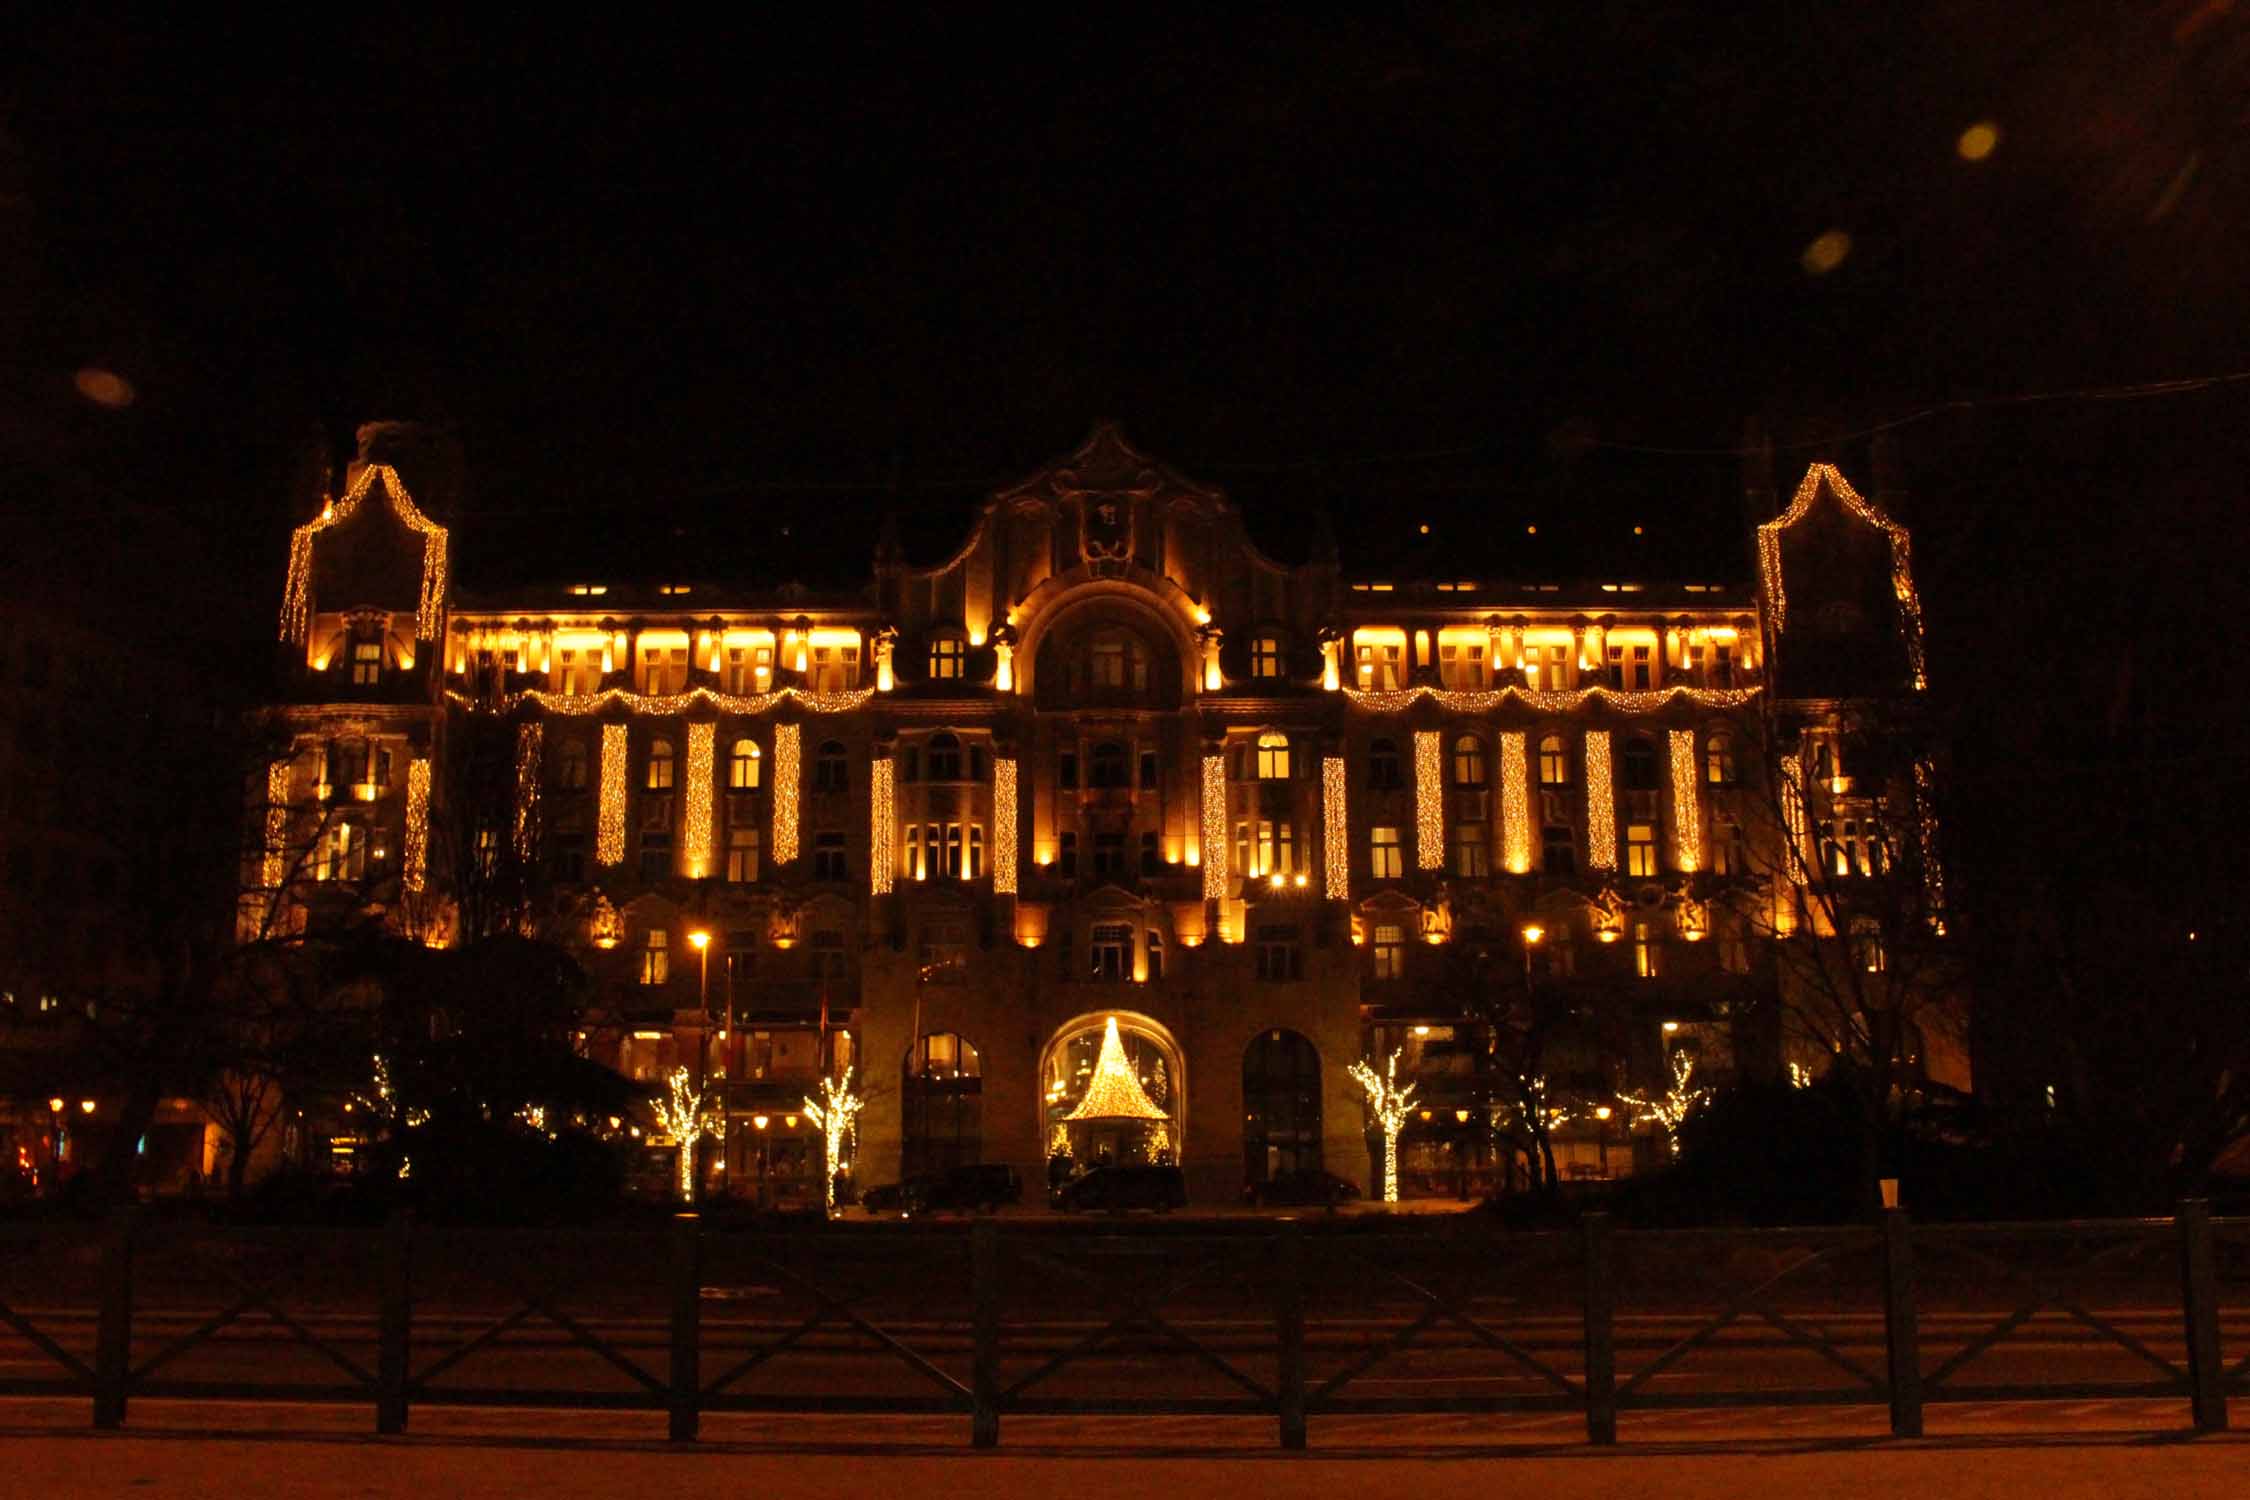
point(1105, 760)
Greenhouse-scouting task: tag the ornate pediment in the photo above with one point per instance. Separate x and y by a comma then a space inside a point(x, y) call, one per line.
point(1108, 490)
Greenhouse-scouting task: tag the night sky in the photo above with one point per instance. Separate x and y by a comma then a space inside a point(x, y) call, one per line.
point(1466, 268)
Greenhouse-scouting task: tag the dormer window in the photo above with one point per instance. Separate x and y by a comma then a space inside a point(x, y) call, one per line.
point(1265, 656)
point(949, 658)
point(367, 663)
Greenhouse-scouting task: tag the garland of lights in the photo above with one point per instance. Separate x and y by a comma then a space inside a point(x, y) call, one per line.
point(1429, 802)
point(530, 739)
point(296, 600)
point(1601, 804)
point(786, 745)
point(1925, 818)
point(1214, 827)
point(1335, 852)
point(696, 807)
point(1388, 1103)
point(1515, 802)
point(609, 816)
point(1004, 827)
point(579, 705)
point(276, 863)
point(1902, 569)
point(417, 861)
point(1687, 819)
point(881, 815)
point(1387, 701)
point(834, 1115)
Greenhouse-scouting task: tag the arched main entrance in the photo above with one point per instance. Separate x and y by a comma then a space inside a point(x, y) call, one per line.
point(1068, 1070)
point(941, 1105)
point(1280, 1105)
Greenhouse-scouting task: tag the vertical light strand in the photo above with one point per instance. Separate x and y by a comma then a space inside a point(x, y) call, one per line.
point(275, 865)
point(695, 852)
point(1687, 811)
point(786, 759)
point(1601, 804)
point(1214, 827)
point(1429, 801)
point(1004, 826)
point(417, 862)
point(882, 823)
point(1793, 815)
point(1926, 830)
point(1515, 803)
point(530, 743)
point(609, 819)
point(1335, 853)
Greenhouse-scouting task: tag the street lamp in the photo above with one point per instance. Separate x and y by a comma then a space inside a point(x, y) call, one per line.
point(700, 941)
point(761, 1121)
point(1602, 1112)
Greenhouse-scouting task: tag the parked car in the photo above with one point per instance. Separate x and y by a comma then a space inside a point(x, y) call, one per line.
point(1299, 1188)
point(978, 1188)
point(1116, 1189)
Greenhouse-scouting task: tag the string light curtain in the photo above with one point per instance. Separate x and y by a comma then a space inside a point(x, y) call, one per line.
point(702, 738)
point(1687, 812)
point(417, 860)
point(609, 819)
point(787, 767)
point(1336, 856)
point(1429, 801)
point(530, 742)
point(1601, 803)
point(881, 822)
point(1214, 827)
point(1004, 826)
point(1515, 803)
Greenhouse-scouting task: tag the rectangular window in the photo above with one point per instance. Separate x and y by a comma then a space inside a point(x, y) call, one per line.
point(1387, 860)
point(1066, 770)
point(1722, 664)
point(570, 858)
point(1067, 861)
point(1152, 861)
point(742, 855)
point(742, 958)
point(948, 657)
point(1109, 856)
point(1462, 666)
point(572, 679)
point(737, 679)
point(656, 956)
point(1547, 668)
point(1554, 762)
point(828, 856)
point(1734, 951)
point(1617, 667)
point(1390, 951)
point(1110, 954)
point(1644, 951)
point(1265, 656)
point(1148, 770)
point(1277, 849)
point(944, 951)
point(1643, 668)
point(830, 963)
point(656, 856)
point(1379, 667)
point(1242, 850)
point(953, 851)
point(663, 672)
point(367, 662)
point(1640, 850)
point(1558, 850)
point(1471, 854)
point(975, 868)
point(1278, 955)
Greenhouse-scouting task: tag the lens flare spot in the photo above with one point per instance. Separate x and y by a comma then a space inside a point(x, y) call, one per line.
point(104, 387)
point(1977, 142)
point(1826, 253)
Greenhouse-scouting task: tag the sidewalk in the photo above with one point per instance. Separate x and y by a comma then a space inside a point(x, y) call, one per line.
point(2004, 1452)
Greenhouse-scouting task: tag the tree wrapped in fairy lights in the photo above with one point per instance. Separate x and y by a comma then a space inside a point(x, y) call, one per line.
point(837, 1107)
point(1672, 1106)
point(1388, 1103)
point(684, 1113)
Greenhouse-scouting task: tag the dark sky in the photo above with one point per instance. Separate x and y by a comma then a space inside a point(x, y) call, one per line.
point(1459, 266)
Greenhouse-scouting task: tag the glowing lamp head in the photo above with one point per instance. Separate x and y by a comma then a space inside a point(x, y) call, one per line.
point(1533, 934)
point(55, 1104)
point(1602, 1111)
point(699, 940)
point(1421, 1031)
point(761, 1121)
point(86, 1105)
point(1277, 880)
point(1461, 1117)
point(790, 1121)
point(1670, 1027)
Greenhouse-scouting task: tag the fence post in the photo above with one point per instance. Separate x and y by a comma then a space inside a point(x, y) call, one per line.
point(113, 1333)
point(984, 1363)
point(1289, 1332)
point(393, 1321)
point(684, 1403)
point(1902, 1329)
point(2199, 1301)
point(1601, 1340)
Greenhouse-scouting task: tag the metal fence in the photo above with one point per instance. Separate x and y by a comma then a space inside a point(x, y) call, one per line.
point(1282, 1320)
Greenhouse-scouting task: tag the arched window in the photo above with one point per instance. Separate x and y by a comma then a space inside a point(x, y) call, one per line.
point(1273, 756)
point(745, 766)
point(1468, 761)
point(829, 773)
point(659, 766)
point(1718, 759)
point(1108, 765)
point(1383, 774)
point(1281, 1106)
point(1554, 761)
point(945, 758)
point(941, 1105)
point(1640, 765)
point(570, 766)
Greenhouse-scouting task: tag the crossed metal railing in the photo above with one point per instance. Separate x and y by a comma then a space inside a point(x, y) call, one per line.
point(1279, 1319)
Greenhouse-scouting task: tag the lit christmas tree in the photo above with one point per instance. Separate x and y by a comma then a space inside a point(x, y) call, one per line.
point(1388, 1103)
point(834, 1115)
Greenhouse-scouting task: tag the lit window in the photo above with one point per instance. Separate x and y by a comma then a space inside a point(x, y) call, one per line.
point(1273, 756)
point(1718, 759)
point(949, 657)
point(663, 672)
point(659, 777)
point(1468, 761)
point(1110, 952)
point(656, 956)
point(1265, 656)
point(577, 677)
point(1640, 850)
point(742, 855)
point(367, 662)
point(745, 766)
point(1379, 667)
point(1461, 666)
point(1277, 849)
point(1867, 945)
point(1390, 951)
point(1389, 863)
point(1554, 761)
point(1644, 951)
